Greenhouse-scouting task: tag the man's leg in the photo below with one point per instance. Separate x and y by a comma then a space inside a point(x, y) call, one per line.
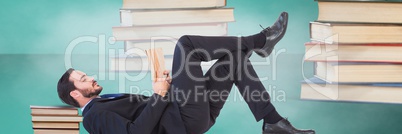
point(189, 85)
point(188, 81)
point(235, 68)
point(219, 82)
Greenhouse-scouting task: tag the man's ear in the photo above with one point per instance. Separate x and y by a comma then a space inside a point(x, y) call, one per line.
point(75, 94)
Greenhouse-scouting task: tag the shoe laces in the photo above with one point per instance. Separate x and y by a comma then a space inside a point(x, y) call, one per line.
point(262, 27)
point(266, 31)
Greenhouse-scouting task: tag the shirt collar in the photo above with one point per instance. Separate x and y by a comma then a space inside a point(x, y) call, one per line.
point(83, 108)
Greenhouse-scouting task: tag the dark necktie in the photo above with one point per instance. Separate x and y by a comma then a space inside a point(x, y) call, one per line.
point(111, 96)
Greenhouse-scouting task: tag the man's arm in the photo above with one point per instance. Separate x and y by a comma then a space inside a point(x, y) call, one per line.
point(110, 122)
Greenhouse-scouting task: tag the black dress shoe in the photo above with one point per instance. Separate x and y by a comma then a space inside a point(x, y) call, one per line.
point(273, 34)
point(284, 127)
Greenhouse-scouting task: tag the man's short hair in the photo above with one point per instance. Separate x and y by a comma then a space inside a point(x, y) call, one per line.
point(64, 87)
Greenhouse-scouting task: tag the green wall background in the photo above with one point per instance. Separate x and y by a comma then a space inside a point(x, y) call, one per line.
point(34, 36)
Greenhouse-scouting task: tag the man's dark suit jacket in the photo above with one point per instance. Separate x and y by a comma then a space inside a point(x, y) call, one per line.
point(137, 114)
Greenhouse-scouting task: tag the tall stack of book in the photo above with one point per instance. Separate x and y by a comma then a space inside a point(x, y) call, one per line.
point(55, 120)
point(357, 50)
point(147, 24)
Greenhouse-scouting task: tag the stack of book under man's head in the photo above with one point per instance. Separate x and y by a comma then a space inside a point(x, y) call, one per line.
point(55, 120)
point(147, 24)
point(357, 50)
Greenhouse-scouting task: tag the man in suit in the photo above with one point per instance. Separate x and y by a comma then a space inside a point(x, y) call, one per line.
point(188, 101)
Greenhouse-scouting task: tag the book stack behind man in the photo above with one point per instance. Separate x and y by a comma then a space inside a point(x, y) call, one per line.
point(55, 120)
point(356, 49)
point(148, 24)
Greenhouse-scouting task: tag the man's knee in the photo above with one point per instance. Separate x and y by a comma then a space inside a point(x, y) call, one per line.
point(184, 40)
point(183, 45)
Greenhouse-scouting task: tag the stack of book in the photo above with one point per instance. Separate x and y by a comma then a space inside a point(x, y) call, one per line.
point(357, 50)
point(55, 120)
point(148, 24)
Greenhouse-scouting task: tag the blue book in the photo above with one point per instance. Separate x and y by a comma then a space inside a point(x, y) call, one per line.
point(315, 80)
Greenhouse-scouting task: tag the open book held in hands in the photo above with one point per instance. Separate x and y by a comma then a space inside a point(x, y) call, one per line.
point(156, 62)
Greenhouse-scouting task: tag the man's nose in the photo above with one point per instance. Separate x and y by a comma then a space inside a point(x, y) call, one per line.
point(91, 78)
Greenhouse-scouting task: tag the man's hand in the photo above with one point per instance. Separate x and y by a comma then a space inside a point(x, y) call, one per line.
point(161, 85)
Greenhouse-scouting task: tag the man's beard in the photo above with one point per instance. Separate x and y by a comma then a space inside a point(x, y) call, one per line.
point(88, 94)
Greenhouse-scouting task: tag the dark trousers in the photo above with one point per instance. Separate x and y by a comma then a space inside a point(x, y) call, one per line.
point(202, 96)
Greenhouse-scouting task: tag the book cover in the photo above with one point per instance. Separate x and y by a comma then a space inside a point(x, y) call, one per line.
point(357, 11)
point(156, 62)
point(53, 110)
point(175, 16)
point(146, 33)
point(316, 80)
point(169, 4)
point(359, 72)
point(56, 118)
point(319, 51)
point(317, 89)
point(55, 131)
point(355, 32)
point(56, 125)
